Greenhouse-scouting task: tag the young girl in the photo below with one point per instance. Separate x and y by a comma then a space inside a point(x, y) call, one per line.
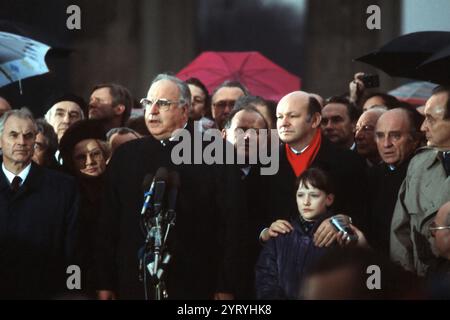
point(285, 259)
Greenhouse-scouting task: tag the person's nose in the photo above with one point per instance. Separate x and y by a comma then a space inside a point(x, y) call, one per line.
point(424, 126)
point(90, 160)
point(66, 118)
point(328, 125)
point(21, 139)
point(387, 143)
point(227, 109)
point(306, 200)
point(284, 122)
point(153, 109)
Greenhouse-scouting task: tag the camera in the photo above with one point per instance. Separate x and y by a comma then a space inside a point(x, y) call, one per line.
point(371, 80)
point(341, 224)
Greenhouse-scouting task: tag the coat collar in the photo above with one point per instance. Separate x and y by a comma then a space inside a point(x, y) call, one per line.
point(33, 181)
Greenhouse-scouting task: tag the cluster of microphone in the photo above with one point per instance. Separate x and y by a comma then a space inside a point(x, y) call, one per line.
point(158, 217)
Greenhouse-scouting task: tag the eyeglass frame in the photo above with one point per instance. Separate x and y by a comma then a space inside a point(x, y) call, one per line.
point(147, 103)
point(96, 154)
point(228, 104)
point(432, 228)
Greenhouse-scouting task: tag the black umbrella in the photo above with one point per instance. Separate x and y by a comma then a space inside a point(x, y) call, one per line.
point(402, 56)
point(437, 67)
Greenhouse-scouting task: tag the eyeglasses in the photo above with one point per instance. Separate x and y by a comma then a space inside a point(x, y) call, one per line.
point(433, 228)
point(163, 104)
point(96, 155)
point(224, 103)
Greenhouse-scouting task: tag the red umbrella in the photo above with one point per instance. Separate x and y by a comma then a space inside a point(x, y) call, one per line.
point(261, 76)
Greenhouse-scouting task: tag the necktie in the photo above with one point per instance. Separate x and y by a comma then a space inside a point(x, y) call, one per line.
point(15, 184)
point(446, 158)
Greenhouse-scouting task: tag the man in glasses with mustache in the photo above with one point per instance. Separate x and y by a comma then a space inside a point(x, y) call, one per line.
point(204, 242)
point(223, 99)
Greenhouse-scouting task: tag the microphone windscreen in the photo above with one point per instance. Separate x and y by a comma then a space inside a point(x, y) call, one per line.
point(161, 174)
point(147, 181)
point(174, 179)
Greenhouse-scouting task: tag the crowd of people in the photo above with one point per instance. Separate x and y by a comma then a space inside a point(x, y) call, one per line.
point(71, 193)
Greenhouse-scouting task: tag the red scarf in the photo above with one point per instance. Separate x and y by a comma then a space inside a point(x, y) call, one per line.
point(300, 162)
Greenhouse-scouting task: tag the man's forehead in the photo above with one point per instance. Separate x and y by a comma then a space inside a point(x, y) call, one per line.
point(244, 117)
point(436, 104)
point(228, 93)
point(104, 92)
point(17, 124)
point(393, 120)
point(66, 106)
point(163, 89)
point(294, 102)
point(332, 109)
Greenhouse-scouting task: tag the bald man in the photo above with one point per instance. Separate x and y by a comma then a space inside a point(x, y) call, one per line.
point(397, 137)
point(298, 125)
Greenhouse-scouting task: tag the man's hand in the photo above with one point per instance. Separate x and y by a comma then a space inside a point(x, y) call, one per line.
point(356, 87)
point(106, 295)
point(326, 234)
point(361, 242)
point(277, 227)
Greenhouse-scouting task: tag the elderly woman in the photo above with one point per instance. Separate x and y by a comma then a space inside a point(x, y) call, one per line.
point(84, 153)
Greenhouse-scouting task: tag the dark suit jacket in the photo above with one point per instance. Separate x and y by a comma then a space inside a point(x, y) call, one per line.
point(384, 185)
point(38, 227)
point(205, 241)
point(347, 174)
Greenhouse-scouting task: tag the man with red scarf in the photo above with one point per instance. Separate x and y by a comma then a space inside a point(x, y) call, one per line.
point(304, 146)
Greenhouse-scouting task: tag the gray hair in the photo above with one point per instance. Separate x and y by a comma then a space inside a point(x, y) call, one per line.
point(185, 93)
point(121, 130)
point(22, 113)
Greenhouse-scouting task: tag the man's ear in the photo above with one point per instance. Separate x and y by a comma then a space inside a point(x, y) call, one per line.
point(224, 134)
point(119, 109)
point(316, 120)
point(1, 140)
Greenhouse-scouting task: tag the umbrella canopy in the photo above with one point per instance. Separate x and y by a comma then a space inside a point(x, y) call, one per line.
point(402, 56)
point(20, 58)
point(437, 67)
point(416, 93)
point(261, 76)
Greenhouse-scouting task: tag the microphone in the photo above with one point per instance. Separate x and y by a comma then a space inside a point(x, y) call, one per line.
point(174, 183)
point(147, 183)
point(155, 187)
point(160, 187)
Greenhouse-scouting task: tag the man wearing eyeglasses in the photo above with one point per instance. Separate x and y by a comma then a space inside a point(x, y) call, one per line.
point(425, 189)
point(365, 136)
point(205, 241)
point(223, 99)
